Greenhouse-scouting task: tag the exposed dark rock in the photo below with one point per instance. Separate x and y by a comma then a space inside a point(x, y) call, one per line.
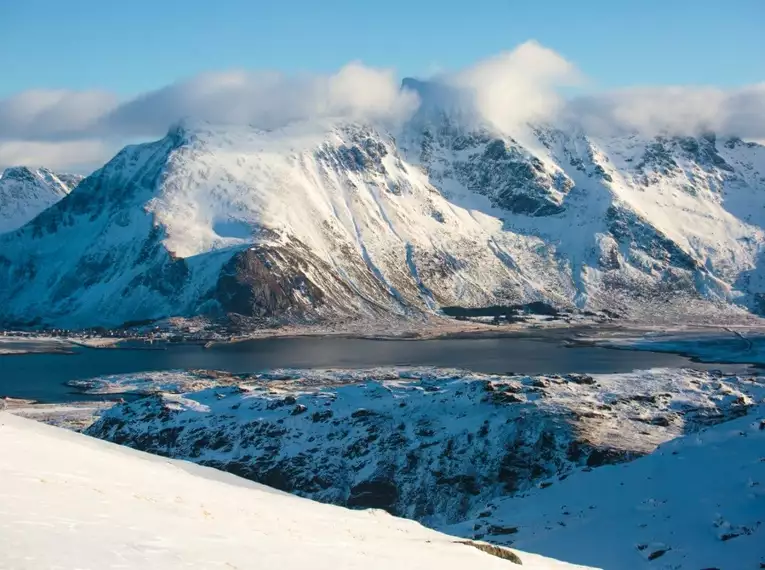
point(506, 398)
point(585, 379)
point(322, 416)
point(362, 413)
point(502, 530)
point(631, 231)
point(260, 282)
point(498, 551)
point(606, 456)
point(374, 494)
point(511, 180)
point(658, 553)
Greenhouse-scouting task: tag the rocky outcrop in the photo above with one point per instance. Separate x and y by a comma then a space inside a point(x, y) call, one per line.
point(425, 444)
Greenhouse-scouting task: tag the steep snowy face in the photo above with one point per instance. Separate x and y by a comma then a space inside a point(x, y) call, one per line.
point(25, 192)
point(310, 222)
point(637, 221)
point(347, 221)
point(466, 158)
point(81, 253)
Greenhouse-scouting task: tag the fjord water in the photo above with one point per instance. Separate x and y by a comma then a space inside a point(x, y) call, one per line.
point(42, 377)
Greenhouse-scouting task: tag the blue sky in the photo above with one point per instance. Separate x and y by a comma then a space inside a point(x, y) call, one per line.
point(131, 47)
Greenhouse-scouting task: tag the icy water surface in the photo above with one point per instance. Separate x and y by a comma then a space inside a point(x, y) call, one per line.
point(43, 376)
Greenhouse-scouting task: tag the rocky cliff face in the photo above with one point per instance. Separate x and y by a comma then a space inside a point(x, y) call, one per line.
point(347, 221)
point(25, 192)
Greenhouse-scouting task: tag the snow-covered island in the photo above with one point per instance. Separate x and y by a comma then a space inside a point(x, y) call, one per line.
point(654, 469)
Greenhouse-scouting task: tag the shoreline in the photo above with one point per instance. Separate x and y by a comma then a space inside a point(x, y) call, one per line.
point(75, 416)
point(79, 412)
point(17, 343)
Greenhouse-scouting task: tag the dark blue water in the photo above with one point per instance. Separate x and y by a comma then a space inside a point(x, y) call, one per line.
point(43, 376)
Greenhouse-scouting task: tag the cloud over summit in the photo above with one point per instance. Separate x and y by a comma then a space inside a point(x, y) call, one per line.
point(674, 110)
point(79, 129)
point(518, 86)
point(265, 100)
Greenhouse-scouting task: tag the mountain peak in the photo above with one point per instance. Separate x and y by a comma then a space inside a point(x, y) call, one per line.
point(64, 181)
point(441, 104)
point(18, 173)
point(25, 192)
point(434, 93)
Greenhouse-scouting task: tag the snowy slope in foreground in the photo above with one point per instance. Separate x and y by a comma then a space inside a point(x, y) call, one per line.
point(69, 501)
point(696, 502)
point(25, 192)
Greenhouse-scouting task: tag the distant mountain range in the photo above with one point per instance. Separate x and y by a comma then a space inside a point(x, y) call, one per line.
point(25, 192)
point(342, 220)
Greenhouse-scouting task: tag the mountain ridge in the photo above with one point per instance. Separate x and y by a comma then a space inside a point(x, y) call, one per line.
point(25, 192)
point(334, 221)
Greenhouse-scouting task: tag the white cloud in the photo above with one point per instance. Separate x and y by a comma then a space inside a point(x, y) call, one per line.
point(77, 156)
point(47, 114)
point(76, 129)
point(68, 129)
point(265, 100)
point(524, 86)
point(674, 110)
point(518, 86)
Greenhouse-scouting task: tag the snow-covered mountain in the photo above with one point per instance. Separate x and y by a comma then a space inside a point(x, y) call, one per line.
point(509, 459)
point(25, 192)
point(339, 220)
point(73, 502)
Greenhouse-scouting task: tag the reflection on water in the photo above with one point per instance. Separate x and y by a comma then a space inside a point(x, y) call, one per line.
point(43, 376)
